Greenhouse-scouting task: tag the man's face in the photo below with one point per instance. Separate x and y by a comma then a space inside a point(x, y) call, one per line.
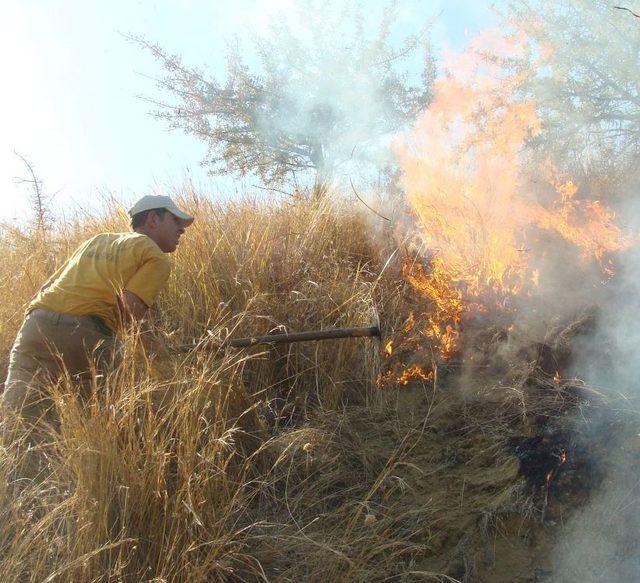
point(167, 232)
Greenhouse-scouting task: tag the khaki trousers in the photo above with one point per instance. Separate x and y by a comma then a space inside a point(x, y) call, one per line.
point(48, 345)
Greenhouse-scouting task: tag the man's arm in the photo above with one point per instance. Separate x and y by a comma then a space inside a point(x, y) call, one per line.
point(134, 312)
point(132, 308)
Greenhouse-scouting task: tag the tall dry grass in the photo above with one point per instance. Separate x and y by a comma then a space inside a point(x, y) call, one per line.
point(207, 464)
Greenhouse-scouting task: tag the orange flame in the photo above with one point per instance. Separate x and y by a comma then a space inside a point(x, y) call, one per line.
point(550, 473)
point(413, 373)
point(405, 376)
point(549, 476)
point(479, 201)
point(464, 175)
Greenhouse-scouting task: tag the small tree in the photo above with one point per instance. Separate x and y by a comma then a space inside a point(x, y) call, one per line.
point(320, 95)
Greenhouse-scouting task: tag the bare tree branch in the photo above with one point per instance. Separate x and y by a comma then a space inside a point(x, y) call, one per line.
point(375, 212)
point(38, 198)
point(628, 10)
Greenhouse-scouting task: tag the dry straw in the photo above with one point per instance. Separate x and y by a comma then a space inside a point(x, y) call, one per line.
point(206, 465)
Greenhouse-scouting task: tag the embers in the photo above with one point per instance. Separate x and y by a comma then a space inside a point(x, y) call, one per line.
point(541, 458)
point(557, 462)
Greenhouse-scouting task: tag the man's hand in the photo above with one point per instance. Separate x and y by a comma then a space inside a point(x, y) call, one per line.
point(133, 312)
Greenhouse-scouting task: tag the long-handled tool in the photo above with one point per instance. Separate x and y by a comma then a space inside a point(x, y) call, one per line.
point(287, 337)
point(326, 334)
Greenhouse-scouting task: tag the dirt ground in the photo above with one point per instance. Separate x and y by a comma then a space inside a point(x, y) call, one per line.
point(504, 466)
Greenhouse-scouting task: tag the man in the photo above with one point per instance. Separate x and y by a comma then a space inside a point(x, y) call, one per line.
point(110, 280)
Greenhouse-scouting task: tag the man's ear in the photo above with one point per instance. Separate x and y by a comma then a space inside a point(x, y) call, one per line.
point(153, 218)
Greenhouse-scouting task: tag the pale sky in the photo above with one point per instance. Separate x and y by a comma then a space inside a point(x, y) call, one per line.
point(70, 103)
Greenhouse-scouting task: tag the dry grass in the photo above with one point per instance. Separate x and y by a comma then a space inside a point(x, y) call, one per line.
point(279, 464)
point(220, 465)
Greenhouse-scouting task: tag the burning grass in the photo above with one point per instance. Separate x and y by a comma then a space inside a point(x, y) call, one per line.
point(291, 464)
point(490, 224)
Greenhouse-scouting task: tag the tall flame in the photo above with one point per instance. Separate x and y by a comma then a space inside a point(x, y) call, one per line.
point(478, 200)
point(466, 177)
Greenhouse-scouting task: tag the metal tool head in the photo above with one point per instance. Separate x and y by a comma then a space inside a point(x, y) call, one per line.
point(376, 322)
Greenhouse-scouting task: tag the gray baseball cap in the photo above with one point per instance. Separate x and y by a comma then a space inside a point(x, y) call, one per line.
point(156, 201)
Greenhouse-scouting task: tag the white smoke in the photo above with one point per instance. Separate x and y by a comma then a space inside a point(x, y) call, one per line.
point(601, 542)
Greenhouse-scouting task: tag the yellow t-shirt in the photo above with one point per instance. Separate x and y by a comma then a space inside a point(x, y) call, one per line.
point(91, 280)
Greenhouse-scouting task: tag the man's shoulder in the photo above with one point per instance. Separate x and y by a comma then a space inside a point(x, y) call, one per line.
point(113, 238)
point(143, 247)
point(143, 242)
point(134, 246)
point(119, 245)
point(130, 239)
